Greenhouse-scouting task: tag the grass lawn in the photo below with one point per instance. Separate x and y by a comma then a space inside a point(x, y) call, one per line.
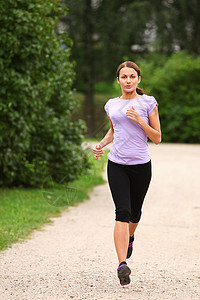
point(23, 210)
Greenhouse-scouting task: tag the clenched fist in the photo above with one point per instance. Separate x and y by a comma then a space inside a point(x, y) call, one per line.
point(133, 115)
point(97, 150)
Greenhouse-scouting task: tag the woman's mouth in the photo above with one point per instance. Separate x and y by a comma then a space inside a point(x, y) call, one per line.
point(128, 86)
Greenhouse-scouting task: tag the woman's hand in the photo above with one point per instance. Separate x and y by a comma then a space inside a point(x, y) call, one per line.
point(133, 115)
point(152, 129)
point(97, 150)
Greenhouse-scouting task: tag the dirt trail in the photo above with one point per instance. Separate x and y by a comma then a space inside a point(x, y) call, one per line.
point(75, 257)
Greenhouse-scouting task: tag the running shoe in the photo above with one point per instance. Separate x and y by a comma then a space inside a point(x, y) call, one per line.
point(123, 272)
point(130, 247)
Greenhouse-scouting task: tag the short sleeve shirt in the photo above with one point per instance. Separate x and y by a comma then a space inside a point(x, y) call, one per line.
point(130, 145)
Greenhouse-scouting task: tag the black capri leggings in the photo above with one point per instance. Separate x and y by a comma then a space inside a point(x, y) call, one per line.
point(128, 185)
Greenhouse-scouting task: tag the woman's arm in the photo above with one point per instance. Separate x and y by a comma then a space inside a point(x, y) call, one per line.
point(153, 130)
point(97, 150)
point(108, 137)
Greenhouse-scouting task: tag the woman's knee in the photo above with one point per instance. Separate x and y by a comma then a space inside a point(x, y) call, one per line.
point(123, 215)
point(135, 218)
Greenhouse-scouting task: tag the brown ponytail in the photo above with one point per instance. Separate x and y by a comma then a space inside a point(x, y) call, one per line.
point(130, 64)
point(140, 91)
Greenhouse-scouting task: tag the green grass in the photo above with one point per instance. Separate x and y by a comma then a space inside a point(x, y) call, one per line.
point(23, 210)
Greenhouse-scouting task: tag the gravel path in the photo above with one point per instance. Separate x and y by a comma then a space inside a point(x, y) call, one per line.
point(74, 258)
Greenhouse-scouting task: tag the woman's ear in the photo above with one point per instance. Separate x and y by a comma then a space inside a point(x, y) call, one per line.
point(118, 80)
point(139, 79)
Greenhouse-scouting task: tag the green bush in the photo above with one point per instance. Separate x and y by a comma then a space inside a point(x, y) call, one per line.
point(175, 84)
point(38, 138)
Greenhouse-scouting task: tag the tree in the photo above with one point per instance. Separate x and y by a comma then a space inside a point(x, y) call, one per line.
point(38, 136)
point(102, 37)
point(177, 25)
point(107, 32)
point(80, 25)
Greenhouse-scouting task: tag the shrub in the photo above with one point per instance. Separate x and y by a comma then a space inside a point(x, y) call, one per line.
point(175, 85)
point(38, 138)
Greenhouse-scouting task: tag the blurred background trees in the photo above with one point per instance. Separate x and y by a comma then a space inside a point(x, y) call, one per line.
point(151, 33)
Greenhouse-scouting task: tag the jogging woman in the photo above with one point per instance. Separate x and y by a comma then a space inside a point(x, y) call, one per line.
point(133, 118)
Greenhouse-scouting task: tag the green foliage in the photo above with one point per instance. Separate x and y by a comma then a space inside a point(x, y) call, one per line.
point(175, 84)
point(37, 135)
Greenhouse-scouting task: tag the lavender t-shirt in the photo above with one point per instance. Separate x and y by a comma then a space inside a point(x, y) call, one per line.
point(130, 141)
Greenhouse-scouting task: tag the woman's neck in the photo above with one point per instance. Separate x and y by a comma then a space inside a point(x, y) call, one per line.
point(129, 95)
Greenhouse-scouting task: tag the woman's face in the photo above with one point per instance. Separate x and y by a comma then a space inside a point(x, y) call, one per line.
point(128, 80)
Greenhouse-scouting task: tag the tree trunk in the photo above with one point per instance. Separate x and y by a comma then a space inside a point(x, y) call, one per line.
point(89, 69)
point(89, 111)
point(196, 37)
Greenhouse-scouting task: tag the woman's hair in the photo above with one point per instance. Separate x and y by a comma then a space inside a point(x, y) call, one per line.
point(130, 64)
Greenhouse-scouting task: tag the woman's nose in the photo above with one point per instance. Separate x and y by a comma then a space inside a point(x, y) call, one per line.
point(128, 79)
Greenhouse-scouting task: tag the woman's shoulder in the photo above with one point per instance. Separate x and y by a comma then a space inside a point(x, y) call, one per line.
point(111, 100)
point(150, 103)
point(108, 105)
point(149, 99)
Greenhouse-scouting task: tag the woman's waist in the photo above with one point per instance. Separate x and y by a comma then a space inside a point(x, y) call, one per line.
point(137, 143)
